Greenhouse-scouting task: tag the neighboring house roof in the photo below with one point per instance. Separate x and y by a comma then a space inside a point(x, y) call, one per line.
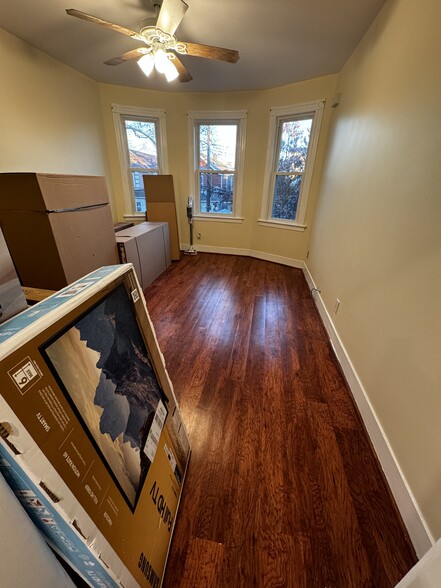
point(140, 159)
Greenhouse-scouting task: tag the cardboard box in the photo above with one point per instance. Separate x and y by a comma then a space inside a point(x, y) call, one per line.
point(58, 227)
point(128, 253)
point(161, 207)
point(12, 299)
point(166, 236)
point(60, 532)
point(21, 542)
point(91, 418)
point(121, 226)
point(147, 246)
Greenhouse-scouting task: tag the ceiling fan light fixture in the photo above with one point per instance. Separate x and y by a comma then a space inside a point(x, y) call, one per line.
point(161, 60)
point(162, 45)
point(146, 63)
point(164, 65)
point(171, 73)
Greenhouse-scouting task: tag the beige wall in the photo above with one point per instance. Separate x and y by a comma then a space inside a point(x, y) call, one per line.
point(50, 115)
point(50, 121)
point(376, 242)
point(247, 235)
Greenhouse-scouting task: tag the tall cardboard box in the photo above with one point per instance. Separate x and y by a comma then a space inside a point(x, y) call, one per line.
point(161, 207)
point(57, 227)
point(90, 427)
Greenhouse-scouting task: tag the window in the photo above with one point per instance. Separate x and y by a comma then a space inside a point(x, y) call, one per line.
point(217, 142)
point(293, 137)
point(142, 150)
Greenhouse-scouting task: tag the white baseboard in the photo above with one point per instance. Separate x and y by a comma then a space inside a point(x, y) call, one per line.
point(247, 252)
point(417, 528)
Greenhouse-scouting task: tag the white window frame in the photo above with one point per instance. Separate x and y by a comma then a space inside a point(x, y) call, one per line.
point(277, 114)
point(238, 117)
point(120, 111)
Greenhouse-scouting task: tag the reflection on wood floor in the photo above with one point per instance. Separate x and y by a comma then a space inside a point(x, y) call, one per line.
point(283, 488)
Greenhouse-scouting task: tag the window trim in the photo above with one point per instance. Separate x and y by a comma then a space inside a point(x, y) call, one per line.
point(238, 117)
point(314, 109)
point(120, 111)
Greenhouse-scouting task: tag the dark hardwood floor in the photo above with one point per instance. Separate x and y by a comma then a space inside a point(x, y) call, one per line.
point(283, 488)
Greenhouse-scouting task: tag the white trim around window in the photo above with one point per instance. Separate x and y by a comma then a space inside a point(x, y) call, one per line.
point(238, 117)
point(154, 114)
point(308, 109)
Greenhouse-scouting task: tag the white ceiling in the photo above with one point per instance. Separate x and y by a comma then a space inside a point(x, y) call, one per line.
point(279, 41)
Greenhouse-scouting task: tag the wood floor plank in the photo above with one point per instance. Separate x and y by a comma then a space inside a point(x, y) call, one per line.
point(379, 529)
point(344, 533)
point(202, 564)
point(274, 561)
point(283, 488)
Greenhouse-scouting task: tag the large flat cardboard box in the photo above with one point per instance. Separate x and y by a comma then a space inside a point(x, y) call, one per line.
point(89, 414)
point(21, 542)
point(147, 246)
point(57, 227)
point(12, 299)
point(53, 522)
point(161, 207)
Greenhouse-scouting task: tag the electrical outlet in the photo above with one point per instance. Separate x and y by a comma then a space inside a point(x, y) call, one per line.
point(336, 305)
point(199, 235)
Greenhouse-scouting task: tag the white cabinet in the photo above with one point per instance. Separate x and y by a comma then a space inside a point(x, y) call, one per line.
point(147, 247)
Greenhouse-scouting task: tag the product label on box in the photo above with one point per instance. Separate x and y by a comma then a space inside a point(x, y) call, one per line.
point(25, 374)
point(155, 431)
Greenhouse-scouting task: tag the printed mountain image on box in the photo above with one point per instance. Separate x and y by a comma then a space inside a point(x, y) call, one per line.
point(104, 368)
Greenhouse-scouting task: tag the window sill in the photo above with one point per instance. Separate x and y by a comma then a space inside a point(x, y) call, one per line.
point(282, 225)
point(219, 218)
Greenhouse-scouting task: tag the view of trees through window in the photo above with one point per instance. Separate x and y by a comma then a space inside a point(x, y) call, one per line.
point(217, 166)
point(143, 155)
point(290, 163)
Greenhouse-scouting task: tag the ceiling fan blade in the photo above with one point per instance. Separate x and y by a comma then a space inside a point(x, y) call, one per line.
point(210, 52)
point(184, 74)
point(170, 15)
point(127, 56)
point(105, 23)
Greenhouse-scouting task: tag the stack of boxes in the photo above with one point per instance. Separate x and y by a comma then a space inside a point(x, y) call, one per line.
point(58, 227)
point(92, 440)
point(91, 437)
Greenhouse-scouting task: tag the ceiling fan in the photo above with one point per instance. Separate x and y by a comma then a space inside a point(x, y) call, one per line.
point(161, 48)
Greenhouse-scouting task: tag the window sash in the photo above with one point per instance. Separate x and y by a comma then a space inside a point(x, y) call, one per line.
point(200, 171)
point(275, 171)
point(131, 170)
point(124, 119)
point(196, 120)
point(122, 113)
point(278, 116)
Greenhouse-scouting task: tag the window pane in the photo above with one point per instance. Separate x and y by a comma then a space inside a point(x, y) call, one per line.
point(141, 140)
point(216, 192)
point(217, 147)
point(138, 190)
point(286, 197)
point(294, 141)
